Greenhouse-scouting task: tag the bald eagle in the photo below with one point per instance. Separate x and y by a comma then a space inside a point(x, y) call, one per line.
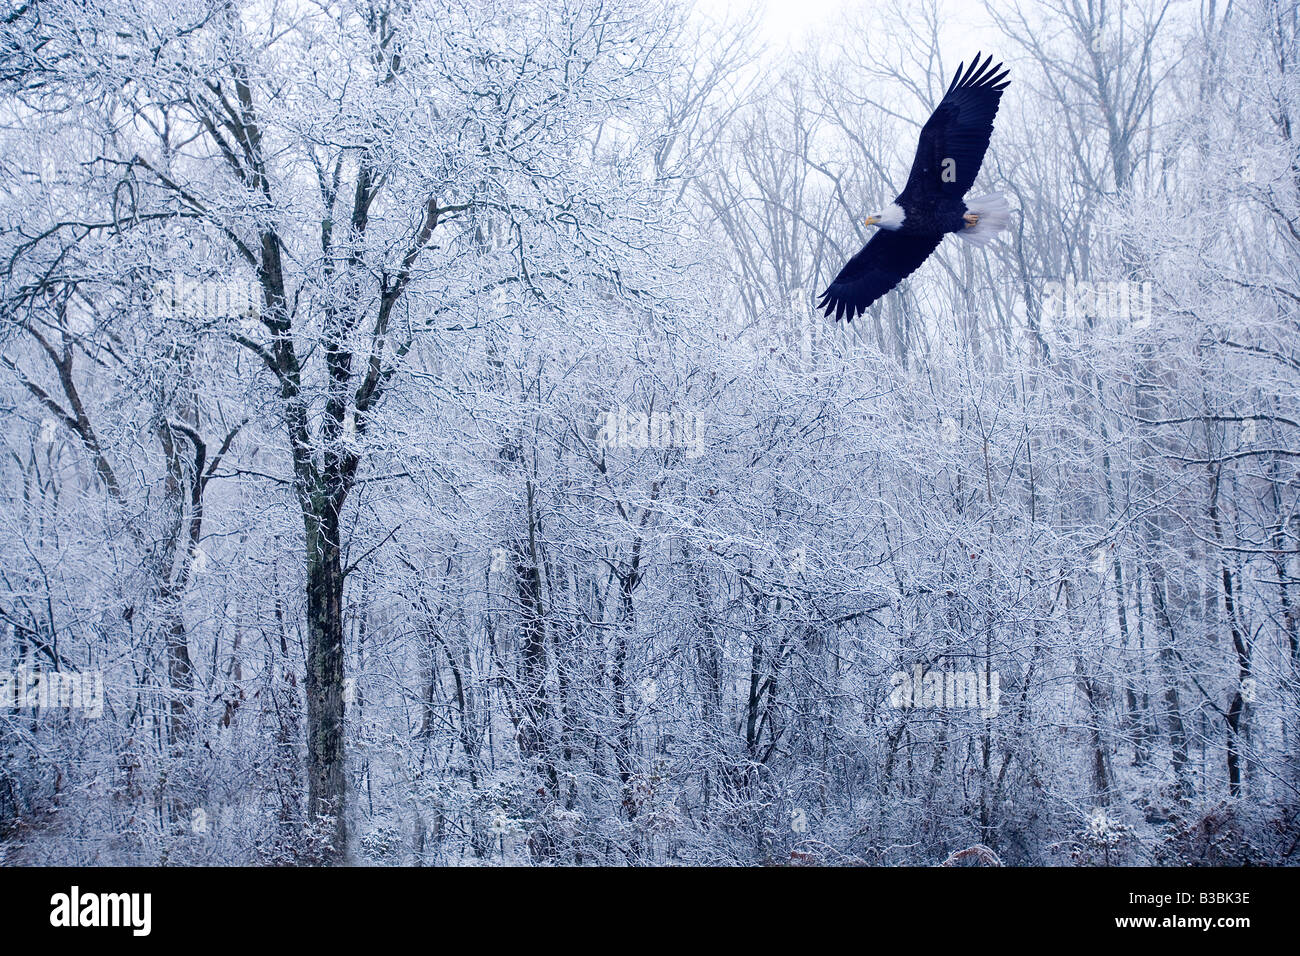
point(948, 156)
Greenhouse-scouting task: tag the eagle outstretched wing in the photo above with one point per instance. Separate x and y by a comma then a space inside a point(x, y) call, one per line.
point(883, 263)
point(956, 136)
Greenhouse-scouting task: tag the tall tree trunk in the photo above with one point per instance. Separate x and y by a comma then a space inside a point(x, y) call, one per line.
point(327, 780)
point(1167, 658)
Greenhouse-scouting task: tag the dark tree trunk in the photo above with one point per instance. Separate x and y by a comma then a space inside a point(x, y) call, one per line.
point(327, 780)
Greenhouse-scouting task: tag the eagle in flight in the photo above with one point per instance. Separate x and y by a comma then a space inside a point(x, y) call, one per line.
point(948, 156)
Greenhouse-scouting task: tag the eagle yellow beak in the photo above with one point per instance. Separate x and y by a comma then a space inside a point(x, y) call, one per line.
point(872, 220)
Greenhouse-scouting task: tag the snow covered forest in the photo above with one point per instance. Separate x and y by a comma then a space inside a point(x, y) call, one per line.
point(418, 446)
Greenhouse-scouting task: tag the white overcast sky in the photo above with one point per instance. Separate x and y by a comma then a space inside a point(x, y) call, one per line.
point(787, 22)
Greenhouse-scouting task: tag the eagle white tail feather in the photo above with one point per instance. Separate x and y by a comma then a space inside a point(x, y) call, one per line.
point(994, 216)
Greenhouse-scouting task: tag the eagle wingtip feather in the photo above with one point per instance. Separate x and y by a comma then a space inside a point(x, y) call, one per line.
point(982, 73)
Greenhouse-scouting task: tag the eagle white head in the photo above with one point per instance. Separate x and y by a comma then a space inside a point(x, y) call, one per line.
point(890, 218)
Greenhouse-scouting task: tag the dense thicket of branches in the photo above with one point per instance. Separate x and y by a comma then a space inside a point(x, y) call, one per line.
point(415, 413)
